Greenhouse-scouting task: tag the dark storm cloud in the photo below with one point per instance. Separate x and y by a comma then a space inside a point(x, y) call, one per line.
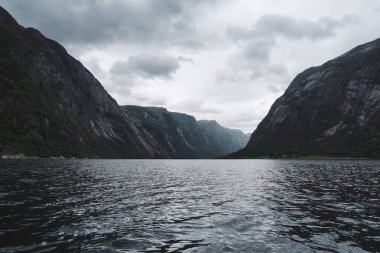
point(103, 21)
point(147, 66)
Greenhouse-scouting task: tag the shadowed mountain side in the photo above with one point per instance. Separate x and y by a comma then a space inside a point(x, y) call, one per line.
point(331, 110)
point(223, 139)
point(53, 106)
point(184, 137)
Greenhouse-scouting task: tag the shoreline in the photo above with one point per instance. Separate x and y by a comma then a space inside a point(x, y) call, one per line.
point(306, 158)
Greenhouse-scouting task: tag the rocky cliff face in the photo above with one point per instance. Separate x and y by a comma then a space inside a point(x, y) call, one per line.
point(222, 139)
point(184, 137)
point(330, 110)
point(51, 105)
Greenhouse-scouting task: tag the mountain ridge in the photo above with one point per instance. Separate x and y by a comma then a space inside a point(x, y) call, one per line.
point(182, 135)
point(328, 110)
point(52, 106)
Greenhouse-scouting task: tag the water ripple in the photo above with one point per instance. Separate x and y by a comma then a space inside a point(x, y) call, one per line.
point(189, 206)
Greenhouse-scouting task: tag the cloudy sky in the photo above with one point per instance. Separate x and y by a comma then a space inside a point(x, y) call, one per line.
point(215, 59)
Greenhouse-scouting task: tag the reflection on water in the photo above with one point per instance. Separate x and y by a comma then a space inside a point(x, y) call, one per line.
point(189, 206)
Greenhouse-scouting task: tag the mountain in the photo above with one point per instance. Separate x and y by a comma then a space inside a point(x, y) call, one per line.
point(330, 110)
point(221, 139)
point(180, 138)
point(51, 105)
point(183, 136)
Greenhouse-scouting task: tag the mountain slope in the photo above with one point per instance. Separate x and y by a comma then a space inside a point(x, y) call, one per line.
point(51, 105)
point(222, 139)
point(330, 110)
point(184, 137)
point(179, 141)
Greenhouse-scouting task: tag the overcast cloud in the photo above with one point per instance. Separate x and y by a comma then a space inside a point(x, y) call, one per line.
point(215, 59)
point(147, 66)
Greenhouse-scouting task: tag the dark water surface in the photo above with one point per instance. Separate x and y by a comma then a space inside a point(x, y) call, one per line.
point(189, 206)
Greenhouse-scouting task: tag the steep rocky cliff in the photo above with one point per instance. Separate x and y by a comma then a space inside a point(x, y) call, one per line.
point(53, 106)
point(223, 140)
point(330, 110)
point(184, 137)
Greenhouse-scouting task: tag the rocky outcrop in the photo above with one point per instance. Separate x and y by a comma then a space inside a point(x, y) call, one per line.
point(184, 137)
point(51, 105)
point(330, 110)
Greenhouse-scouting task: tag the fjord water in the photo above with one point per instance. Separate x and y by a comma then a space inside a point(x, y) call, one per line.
point(189, 206)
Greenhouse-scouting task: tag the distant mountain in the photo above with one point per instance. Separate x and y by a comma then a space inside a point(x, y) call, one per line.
point(53, 106)
point(184, 137)
point(221, 139)
point(330, 110)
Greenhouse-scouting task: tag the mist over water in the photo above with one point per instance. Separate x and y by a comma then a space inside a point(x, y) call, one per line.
point(189, 206)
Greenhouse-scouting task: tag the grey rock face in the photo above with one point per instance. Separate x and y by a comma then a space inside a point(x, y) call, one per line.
point(51, 105)
point(223, 139)
point(330, 110)
point(184, 137)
